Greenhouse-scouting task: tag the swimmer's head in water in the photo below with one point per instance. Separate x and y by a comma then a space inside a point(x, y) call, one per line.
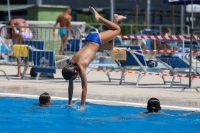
point(45, 99)
point(70, 71)
point(153, 105)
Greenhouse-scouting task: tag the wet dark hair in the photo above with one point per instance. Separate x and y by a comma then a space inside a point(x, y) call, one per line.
point(70, 71)
point(153, 105)
point(44, 98)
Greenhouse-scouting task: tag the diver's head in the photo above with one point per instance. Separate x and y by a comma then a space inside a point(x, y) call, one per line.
point(70, 71)
point(153, 105)
point(45, 99)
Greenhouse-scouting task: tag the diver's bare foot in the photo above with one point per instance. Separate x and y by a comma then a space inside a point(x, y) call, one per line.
point(118, 18)
point(95, 13)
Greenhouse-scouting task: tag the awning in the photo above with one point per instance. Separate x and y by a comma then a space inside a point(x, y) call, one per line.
point(88, 10)
point(196, 8)
point(22, 7)
point(181, 2)
point(4, 8)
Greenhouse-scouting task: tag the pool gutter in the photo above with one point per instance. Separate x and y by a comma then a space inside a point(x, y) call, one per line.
point(105, 102)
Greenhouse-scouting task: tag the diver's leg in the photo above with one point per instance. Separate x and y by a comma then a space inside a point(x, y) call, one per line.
point(108, 35)
point(110, 44)
point(70, 92)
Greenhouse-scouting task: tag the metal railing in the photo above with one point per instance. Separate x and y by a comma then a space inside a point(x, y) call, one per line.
point(137, 28)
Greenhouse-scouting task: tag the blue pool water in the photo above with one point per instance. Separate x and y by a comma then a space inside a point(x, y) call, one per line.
point(24, 115)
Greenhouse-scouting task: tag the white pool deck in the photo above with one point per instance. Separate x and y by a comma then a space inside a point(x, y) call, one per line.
point(100, 89)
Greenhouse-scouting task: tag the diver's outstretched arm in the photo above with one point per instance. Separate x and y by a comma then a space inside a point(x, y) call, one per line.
point(70, 92)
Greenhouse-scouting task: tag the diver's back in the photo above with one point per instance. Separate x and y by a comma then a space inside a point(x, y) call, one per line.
point(86, 54)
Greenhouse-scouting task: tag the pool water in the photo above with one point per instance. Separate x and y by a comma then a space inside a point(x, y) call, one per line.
point(24, 115)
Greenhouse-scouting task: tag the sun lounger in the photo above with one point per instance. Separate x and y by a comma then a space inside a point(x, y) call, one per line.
point(135, 59)
point(44, 61)
point(177, 64)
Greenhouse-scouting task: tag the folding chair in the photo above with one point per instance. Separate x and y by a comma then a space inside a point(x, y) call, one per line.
point(33, 44)
point(44, 62)
point(135, 59)
point(73, 45)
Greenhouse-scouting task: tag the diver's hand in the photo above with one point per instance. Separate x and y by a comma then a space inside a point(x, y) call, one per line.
point(81, 108)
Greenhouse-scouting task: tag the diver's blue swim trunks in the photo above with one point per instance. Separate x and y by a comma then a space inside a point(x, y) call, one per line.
point(93, 37)
point(62, 32)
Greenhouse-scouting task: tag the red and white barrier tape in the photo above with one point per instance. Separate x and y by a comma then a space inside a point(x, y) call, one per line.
point(172, 37)
point(150, 73)
point(160, 37)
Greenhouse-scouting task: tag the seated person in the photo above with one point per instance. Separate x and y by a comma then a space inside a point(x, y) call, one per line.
point(142, 44)
point(160, 45)
point(167, 31)
point(45, 99)
point(174, 46)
